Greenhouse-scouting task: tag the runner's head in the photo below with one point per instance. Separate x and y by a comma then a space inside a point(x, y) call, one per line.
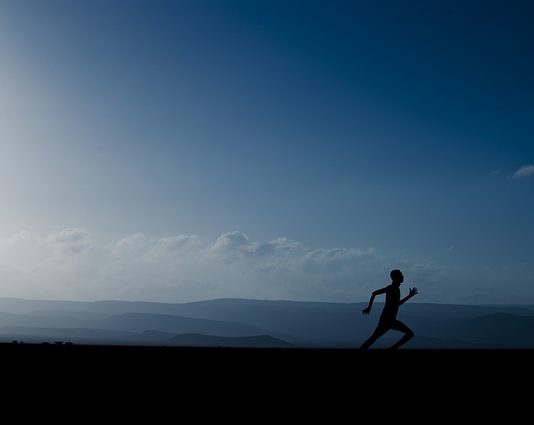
point(397, 276)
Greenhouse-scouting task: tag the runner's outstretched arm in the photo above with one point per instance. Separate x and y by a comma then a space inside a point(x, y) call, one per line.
point(413, 292)
point(373, 295)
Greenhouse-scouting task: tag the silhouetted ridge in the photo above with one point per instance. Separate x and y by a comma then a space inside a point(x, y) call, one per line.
point(199, 340)
point(302, 324)
point(140, 322)
point(507, 329)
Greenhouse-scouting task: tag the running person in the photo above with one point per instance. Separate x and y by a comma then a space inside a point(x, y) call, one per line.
point(388, 318)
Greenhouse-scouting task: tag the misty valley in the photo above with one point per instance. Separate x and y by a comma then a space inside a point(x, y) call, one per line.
point(259, 324)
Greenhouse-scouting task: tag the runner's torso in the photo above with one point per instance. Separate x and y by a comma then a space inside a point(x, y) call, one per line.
point(391, 306)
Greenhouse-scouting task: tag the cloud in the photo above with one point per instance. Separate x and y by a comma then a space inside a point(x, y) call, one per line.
point(131, 245)
point(178, 243)
point(71, 241)
point(332, 260)
point(71, 264)
point(524, 171)
point(235, 245)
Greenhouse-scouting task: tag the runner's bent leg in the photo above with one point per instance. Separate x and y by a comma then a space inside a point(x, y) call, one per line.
point(380, 330)
point(401, 327)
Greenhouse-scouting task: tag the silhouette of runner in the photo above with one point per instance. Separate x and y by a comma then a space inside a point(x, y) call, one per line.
point(388, 318)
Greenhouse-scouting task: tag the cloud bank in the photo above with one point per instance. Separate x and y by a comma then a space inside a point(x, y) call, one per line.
point(71, 265)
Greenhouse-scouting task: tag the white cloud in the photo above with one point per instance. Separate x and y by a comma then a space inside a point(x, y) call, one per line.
point(235, 245)
point(331, 260)
point(131, 245)
point(286, 245)
point(178, 268)
point(524, 171)
point(71, 241)
point(70, 264)
point(178, 243)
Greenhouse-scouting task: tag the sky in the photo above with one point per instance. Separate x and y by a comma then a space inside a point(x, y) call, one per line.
point(183, 150)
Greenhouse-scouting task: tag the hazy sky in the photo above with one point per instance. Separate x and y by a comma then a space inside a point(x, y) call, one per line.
point(178, 150)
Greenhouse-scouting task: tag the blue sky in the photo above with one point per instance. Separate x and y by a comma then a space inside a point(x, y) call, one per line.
point(346, 127)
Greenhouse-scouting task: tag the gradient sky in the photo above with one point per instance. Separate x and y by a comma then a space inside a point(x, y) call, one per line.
point(290, 149)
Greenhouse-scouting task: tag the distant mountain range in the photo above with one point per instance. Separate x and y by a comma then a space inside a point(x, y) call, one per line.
point(260, 323)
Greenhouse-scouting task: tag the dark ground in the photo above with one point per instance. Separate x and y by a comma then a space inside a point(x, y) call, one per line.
point(254, 384)
point(274, 363)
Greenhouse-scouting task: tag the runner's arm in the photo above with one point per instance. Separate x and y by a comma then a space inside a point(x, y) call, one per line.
point(373, 295)
point(413, 292)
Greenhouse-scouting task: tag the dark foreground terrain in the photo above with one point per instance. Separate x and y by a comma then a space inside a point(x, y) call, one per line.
point(246, 383)
point(375, 367)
